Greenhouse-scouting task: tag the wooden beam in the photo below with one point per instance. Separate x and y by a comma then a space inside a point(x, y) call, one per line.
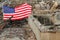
point(34, 28)
point(54, 7)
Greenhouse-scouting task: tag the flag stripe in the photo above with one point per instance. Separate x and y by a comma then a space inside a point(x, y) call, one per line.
point(23, 10)
point(17, 17)
point(24, 6)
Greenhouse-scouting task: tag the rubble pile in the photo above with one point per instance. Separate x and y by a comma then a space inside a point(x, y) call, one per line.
point(17, 34)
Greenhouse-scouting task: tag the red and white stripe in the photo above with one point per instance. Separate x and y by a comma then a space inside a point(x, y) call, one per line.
point(21, 12)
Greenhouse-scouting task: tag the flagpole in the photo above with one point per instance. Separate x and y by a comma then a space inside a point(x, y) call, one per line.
point(2, 5)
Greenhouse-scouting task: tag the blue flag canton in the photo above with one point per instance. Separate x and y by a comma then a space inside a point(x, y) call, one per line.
point(7, 9)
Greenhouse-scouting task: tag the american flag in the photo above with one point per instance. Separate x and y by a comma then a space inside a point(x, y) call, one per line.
point(18, 13)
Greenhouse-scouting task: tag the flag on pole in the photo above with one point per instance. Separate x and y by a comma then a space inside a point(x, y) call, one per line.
point(18, 13)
